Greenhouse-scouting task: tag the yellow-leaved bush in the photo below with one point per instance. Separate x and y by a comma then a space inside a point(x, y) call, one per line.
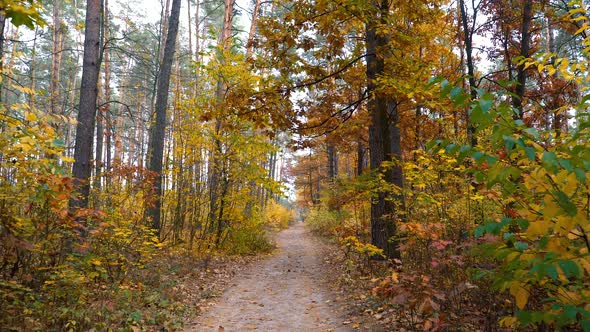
point(56, 262)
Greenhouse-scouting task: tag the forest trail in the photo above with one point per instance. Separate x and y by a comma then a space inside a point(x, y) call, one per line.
point(281, 293)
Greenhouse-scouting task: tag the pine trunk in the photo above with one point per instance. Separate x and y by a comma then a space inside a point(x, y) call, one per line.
point(87, 111)
point(158, 130)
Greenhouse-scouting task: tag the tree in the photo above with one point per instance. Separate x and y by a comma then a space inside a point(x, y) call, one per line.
point(87, 111)
point(384, 132)
point(158, 129)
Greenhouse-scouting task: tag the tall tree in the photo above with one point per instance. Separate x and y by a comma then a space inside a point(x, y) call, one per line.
point(216, 194)
point(55, 57)
point(87, 111)
point(158, 129)
point(384, 132)
point(2, 28)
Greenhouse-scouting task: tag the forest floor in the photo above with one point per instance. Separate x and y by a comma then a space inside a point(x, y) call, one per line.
point(288, 291)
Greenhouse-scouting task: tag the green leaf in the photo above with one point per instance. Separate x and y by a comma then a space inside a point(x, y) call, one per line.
point(551, 271)
point(479, 231)
point(533, 132)
point(509, 142)
point(522, 246)
point(455, 91)
point(566, 164)
point(485, 104)
point(477, 157)
point(570, 268)
point(530, 153)
point(580, 174)
point(58, 142)
point(460, 100)
point(566, 204)
point(570, 312)
point(550, 162)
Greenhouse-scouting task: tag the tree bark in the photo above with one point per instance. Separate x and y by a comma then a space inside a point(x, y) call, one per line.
point(384, 135)
point(360, 157)
point(521, 75)
point(157, 132)
point(216, 163)
point(468, 42)
point(332, 162)
point(2, 27)
point(55, 58)
point(87, 111)
point(250, 42)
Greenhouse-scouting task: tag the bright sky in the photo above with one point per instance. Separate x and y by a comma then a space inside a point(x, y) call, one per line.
point(150, 11)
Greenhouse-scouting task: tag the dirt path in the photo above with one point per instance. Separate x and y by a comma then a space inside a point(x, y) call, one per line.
point(281, 293)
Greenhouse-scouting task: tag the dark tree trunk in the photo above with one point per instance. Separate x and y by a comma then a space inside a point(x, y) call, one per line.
point(521, 74)
point(360, 156)
point(2, 26)
point(332, 163)
point(468, 40)
point(87, 113)
point(157, 132)
point(384, 136)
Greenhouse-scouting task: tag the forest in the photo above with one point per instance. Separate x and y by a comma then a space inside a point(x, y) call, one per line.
point(153, 152)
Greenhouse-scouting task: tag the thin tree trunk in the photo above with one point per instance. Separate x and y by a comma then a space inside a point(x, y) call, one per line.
point(253, 25)
point(33, 68)
point(99, 139)
point(216, 155)
point(332, 163)
point(56, 59)
point(360, 153)
point(468, 42)
point(106, 111)
point(2, 26)
point(521, 75)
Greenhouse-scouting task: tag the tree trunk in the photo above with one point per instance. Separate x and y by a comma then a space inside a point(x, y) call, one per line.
point(157, 132)
point(33, 67)
point(332, 162)
point(2, 26)
point(216, 162)
point(56, 59)
point(87, 111)
point(468, 42)
point(99, 138)
point(521, 75)
point(253, 24)
point(360, 156)
point(384, 136)
point(106, 111)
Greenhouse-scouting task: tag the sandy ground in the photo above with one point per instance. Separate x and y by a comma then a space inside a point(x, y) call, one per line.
point(281, 293)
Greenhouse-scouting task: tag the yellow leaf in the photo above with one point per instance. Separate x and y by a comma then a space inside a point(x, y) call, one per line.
point(537, 228)
point(508, 321)
point(520, 293)
point(551, 208)
point(29, 116)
